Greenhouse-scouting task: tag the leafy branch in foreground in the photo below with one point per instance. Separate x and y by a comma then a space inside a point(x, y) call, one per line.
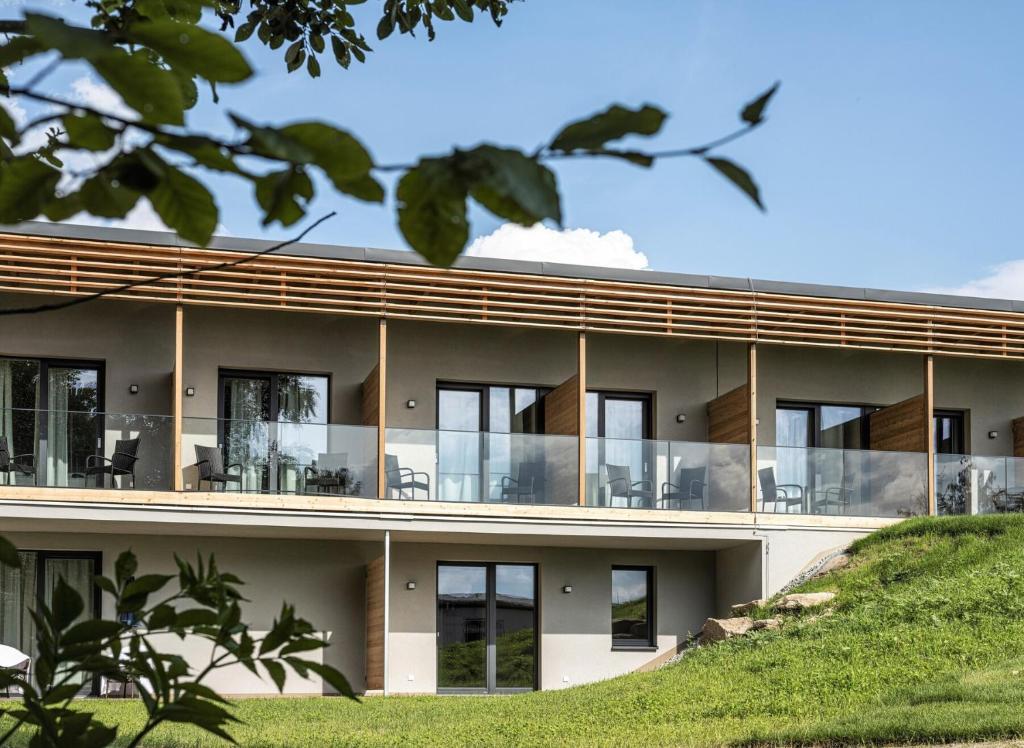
point(154, 54)
point(73, 649)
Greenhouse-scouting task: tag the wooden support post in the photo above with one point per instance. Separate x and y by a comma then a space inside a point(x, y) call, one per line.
point(177, 384)
point(382, 372)
point(752, 415)
point(581, 414)
point(929, 420)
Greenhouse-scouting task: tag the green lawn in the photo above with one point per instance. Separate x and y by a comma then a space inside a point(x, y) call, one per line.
point(926, 644)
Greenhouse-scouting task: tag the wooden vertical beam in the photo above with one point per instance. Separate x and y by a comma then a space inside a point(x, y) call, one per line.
point(581, 414)
point(177, 385)
point(929, 420)
point(752, 415)
point(382, 372)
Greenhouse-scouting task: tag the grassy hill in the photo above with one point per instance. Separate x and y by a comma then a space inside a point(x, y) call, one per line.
point(926, 644)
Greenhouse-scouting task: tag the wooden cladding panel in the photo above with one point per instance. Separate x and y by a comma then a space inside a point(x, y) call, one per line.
point(562, 408)
point(729, 417)
point(375, 624)
point(75, 267)
point(902, 427)
point(1018, 437)
point(370, 405)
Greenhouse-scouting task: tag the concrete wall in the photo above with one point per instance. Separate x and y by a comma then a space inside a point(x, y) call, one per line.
point(575, 628)
point(325, 580)
point(992, 393)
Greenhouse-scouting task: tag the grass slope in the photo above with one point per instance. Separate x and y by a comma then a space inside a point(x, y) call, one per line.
point(925, 645)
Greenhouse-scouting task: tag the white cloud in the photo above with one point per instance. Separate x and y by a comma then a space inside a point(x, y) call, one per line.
point(98, 95)
point(1003, 281)
point(570, 246)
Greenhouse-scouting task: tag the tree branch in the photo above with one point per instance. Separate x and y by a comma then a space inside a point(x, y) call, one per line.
point(165, 276)
point(12, 27)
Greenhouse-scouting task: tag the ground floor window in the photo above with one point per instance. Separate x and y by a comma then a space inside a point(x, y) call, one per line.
point(37, 579)
point(486, 627)
point(632, 607)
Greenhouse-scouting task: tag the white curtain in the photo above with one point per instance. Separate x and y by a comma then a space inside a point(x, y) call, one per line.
point(247, 436)
point(17, 593)
point(78, 573)
point(58, 451)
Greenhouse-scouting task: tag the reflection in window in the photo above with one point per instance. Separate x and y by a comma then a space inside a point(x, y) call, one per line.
point(632, 606)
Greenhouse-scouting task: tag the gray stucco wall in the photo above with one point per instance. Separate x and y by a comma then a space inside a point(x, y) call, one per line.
point(993, 394)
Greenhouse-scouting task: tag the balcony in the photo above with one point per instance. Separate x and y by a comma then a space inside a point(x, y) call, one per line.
point(974, 484)
point(69, 449)
point(865, 483)
point(474, 466)
point(675, 475)
point(274, 457)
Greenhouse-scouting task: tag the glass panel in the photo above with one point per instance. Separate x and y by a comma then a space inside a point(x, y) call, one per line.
point(301, 398)
point(629, 607)
point(842, 427)
point(624, 452)
point(19, 399)
point(972, 484)
point(843, 481)
point(792, 429)
point(527, 410)
point(246, 431)
point(462, 627)
point(17, 593)
point(70, 440)
point(78, 574)
point(458, 444)
point(949, 429)
point(515, 626)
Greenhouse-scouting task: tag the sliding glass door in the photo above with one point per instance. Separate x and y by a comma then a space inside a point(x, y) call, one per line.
point(618, 429)
point(263, 417)
point(486, 627)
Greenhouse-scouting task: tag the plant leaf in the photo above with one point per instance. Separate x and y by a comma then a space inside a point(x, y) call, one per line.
point(67, 604)
point(185, 205)
point(738, 176)
point(9, 554)
point(283, 195)
point(102, 198)
point(193, 48)
point(432, 211)
point(88, 131)
point(613, 123)
point(338, 153)
point(152, 92)
point(753, 113)
point(512, 185)
point(26, 184)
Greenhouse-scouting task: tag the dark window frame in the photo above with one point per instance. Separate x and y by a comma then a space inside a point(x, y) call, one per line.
point(651, 643)
point(647, 398)
point(491, 605)
point(959, 417)
point(270, 375)
point(484, 389)
point(815, 407)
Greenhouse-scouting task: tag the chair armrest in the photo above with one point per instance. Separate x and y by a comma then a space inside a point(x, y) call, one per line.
point(426, 476)
point(648, 483)
point(698, 483)
point(91, 460)
point(667, 485)
point(783, 489)
point(238, 465)
point(133, 458)
point(508, 481)
point(29, 456)
point(310, 470)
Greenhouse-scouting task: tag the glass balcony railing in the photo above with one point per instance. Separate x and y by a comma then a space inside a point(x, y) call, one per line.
point(72, 449)
point(481, 467)
point(647, 474)
point(973, 484)
point(865, 483)
point(279, 458)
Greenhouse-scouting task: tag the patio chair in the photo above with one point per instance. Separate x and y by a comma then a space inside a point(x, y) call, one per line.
point(1009, 500)
point(621, 486)
point(325, 474)
point(787, 494)
point(13, 659)
point(13, 465)
point(210, 463)
point(687, 493)
point(121, 464)
point(526, 486)
point(404, 479)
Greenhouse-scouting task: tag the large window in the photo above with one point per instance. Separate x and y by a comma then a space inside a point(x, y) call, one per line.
point(618, 427)
point(949, 432)
point(633, 607)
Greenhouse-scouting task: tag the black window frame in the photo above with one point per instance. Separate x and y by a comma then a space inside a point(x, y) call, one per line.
point(651, 643)
point(814, 408)
point(484, 390)
point(646, 398)
point(959, 417)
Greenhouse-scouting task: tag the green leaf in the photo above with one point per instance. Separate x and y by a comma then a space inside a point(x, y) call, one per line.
point(753, 113)
point(244, 31)
point(94, 630)
point(71, 41)
point(19, 48)
point(276, 671)
point(463, 8)
point(313, 67)
point(88, 132)
point(362, 188)
point(738, 176)
point(64, 207)
point(8, 129)
point(338, 153)
point(613, 123)
point(283, 195)
point(333, 677)
point(125, 567)
point(102, 197)
point(185, 205)
point(192, 48)
point(206, 152)
point(341, 53)
point(152, 92)
point(67, 604)
point(147, 584)
point(385, 26)
point(432, 211)
point(9, 554)
point(271, 143)
point(26, 184)
point(512, 185)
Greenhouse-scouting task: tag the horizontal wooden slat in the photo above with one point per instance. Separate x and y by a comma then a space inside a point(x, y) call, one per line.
point(75, 267)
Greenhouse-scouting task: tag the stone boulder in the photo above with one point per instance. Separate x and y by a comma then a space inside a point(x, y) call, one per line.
point(720, 629)
point(771, 624)
point(803, 601)
point(742, 609)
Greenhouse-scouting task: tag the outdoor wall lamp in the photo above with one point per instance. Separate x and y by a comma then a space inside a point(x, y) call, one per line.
point(410, 403)
point(190, 392)
point(993, 434)
point(567, 589)
point(410, 585)
point(680, 418)
point(133, 389)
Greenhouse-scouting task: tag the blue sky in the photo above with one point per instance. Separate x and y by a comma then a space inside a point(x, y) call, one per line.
point(891, 158)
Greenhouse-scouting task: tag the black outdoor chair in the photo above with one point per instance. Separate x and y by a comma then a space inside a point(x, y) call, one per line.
point(14, 465)
point(621, 486)
point(210, 463)
point(526, 486)
point(326, 474)
point(787, 494)
point(121, 464)
point(1009, 500)
point(404, 479)
point(688, 493)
